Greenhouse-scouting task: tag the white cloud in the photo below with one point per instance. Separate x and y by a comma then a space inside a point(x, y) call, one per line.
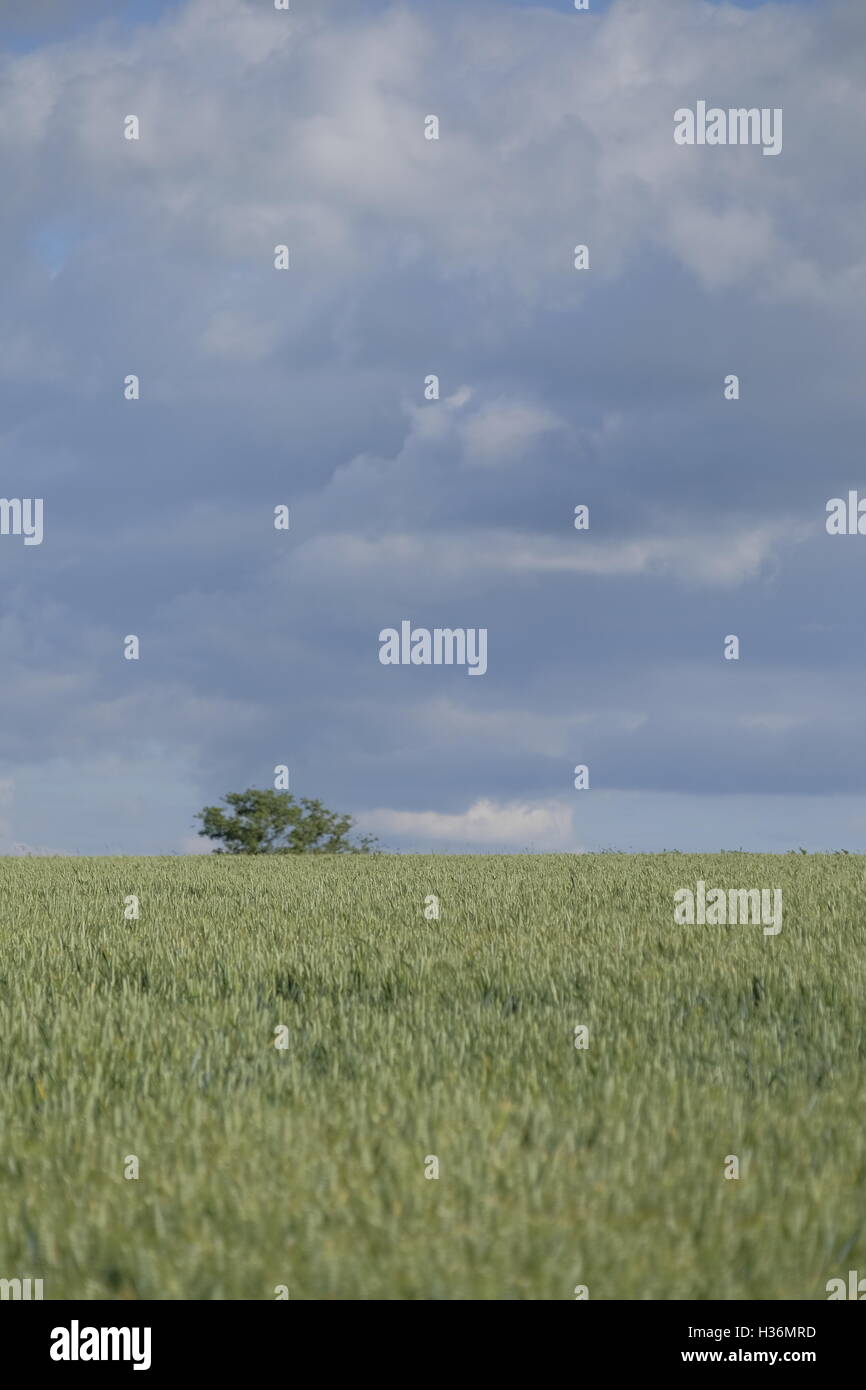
point(504, 430)
point(716, 559)
point(522, 824)
point(239, 337)
point(773, 723)
point(23, 851)
point(517, 730)
point(194, 844)
point(316, 128)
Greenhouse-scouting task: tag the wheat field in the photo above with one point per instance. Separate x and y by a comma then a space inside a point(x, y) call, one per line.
point(149, 1044)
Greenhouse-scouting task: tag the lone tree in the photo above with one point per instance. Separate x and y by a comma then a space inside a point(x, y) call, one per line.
point(271, 822)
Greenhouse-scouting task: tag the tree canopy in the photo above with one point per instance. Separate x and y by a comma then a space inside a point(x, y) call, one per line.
point(272, 822)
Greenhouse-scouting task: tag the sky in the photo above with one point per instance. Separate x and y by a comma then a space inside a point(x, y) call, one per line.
point(305, 388)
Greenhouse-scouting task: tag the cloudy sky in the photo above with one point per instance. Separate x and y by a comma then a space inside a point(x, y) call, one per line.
point(559, 387)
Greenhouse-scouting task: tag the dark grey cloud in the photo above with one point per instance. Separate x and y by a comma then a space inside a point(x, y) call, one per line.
point(306, 388)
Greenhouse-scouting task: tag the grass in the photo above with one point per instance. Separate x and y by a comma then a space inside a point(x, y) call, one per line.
point(304, 1167)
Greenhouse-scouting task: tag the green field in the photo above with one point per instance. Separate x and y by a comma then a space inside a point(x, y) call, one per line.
point(410, 1037)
